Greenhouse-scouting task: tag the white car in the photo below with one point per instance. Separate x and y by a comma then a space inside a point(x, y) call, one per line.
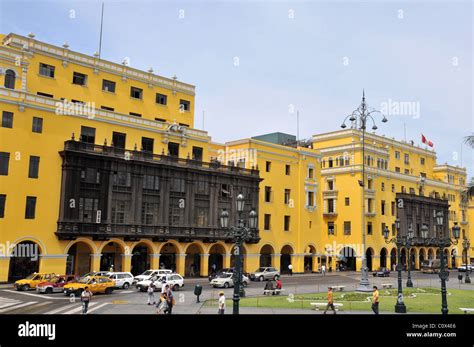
point(462, 268)
point(148, 274)
point(175, 281)
point(226, 280)
point(122, 279)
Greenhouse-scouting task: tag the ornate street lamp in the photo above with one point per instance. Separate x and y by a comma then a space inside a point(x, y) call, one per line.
point(239, 234)
point(466, 244)
point(359, 117)
point(408, 244)
point(400, 305)
point(442, 243)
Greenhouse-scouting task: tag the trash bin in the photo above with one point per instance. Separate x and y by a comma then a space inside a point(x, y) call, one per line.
point(460, 278)
point(197, 291)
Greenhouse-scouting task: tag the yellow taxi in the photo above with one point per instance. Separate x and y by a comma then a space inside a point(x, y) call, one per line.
point(96, 284)
point(33, 280)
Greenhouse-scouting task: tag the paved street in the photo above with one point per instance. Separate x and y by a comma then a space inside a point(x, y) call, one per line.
point(132, 301)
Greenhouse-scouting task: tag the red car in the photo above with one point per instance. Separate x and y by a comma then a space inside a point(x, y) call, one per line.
point(55, 285)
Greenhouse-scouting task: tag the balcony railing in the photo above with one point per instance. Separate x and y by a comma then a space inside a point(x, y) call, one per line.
point(120, 153)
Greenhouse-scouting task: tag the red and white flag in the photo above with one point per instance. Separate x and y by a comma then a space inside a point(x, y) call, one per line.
point(425, 141)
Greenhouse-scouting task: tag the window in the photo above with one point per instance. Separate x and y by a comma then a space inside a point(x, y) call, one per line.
point(412, 190)
point(184, 105)
point(392, 208)
point(46, 95)
point(347, 201)
point(120, 211)
point(267, 221)
point(268, 194)
point(310, 199)
point(407, 171)
point(287, 170)
point(287, 223)
point(107, 108)
point(422, 161)
point(406, 158)
point(383, 186)
point(268, 166)
point(37, 125)
point(108, 86)
point(310, 172)
point(136, 93)
point(423, 174)
point(46, 70)
point(370, 205)
point(393, 188)
point(160, 119)
point(30, 207)
point(331, 229)
point(34, 167)
point(201, 213)
point(161, 99)
point(9, 79)
point(287, 196)
point(135, 114)
point(382, 207)
point(330, 162)
point(147, 144)
point(118, 140)
point(7, 119)
point(4, 160)
point(330, 206)
point(347, 228)
point(79, 78)
point(88, 210)
point(330, 185)
point(123, 179)
point(397, 155)
point(197, 153)
point(3, 199)
point(173, 149)
point(369, 228)
point(397, 169)
point(226, 191)
point(383, 227)
point(87, 134)
point(151, 182)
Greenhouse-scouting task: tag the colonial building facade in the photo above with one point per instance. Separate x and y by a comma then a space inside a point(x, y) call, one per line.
point(100, 165)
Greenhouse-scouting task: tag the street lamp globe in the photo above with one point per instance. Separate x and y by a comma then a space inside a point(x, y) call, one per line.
point(224, 219)
point(410, 232)
point(424, 231)
point(397, 224)
point(456, 231)
point(439, 218)
point(253, 220)
point(240, 202)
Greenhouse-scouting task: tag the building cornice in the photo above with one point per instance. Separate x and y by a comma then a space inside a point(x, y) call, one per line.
point(450, 168)
point(356, 146)
point(299, 150)
point(94, 63)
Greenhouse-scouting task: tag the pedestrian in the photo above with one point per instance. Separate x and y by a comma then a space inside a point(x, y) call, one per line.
point(290, 269)
point(86, 296)
point(221, 303)
point(111, 269)
point(330, 301)
point(268, 288)
point(375, 300)
point(279, 284)
point(323, 270)
point(213, 268)
point(169, 299)
point(191, 272)
point(151, 294)
point(162, 305)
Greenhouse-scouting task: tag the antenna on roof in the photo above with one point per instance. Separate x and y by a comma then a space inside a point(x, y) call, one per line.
point(101, 25)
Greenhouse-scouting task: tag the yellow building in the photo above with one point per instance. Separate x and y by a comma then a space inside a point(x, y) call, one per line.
point(100, 165)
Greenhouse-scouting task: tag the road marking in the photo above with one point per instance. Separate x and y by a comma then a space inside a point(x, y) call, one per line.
point(77, 309)
point(63, 308)
point(6, 302)
point(18, 306)
point(127, 292)
point(97, 307)
point(34, 295)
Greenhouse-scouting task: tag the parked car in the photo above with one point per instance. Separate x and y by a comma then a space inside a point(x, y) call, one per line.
point(220, 272)
point(430, 266)
point(122, 279)
point(96, 284)
point(97, 273)
point(148, 274)
point(31, 281)
point(462, 268)
point(265, 273)
point(226, 280)
point(55, 285)
point(381, 272)
point(175, 281)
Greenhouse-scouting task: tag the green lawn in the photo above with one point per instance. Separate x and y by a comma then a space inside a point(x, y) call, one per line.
point(420, 300)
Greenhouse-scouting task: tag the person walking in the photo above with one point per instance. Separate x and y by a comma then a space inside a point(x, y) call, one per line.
point(162, 305)
point(290, 269)
point(191, 272)
point(330, 301)
point(151, 294)
point(86, 296)
point(323, 270)
point(221, 303)
point(169, 299)
point(375, 300)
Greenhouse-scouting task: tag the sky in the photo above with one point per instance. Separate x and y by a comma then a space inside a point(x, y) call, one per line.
point(255, 63)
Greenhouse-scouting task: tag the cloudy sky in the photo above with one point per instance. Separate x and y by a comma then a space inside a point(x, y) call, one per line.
point(254, 62)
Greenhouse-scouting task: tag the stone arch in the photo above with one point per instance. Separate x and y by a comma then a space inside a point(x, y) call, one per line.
point(113, 254)
point(393, 258)
point(194, 254)
point(310, 258)
point(170, 255)
point(79, 254)
point(369, 255)
point(42, 247)
point(89, 242)
point(383, 257)
point(266, 255)
point(25, 259)
point(347, 258)
point(216, 252)
point(286, 254)
point(141, 252)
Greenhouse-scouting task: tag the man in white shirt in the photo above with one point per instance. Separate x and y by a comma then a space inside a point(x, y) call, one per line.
point(323, 270)
point(290, 269)
point(221, 303)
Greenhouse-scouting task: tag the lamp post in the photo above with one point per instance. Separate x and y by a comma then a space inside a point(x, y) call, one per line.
point(399, 242)
point(408, 243)
point(466, 244)
point(442, 243)
point(360, 116)
point(239, 233)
